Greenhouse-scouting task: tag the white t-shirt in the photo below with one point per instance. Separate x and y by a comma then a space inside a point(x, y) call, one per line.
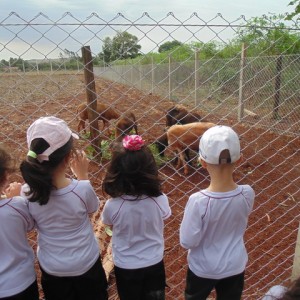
point(138, 226)
point(212, 229)
point(275, 292)
point(16, 255)
point(67, 245)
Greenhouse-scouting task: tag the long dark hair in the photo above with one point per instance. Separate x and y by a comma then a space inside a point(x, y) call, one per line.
point(38, 175)
point(132, 173)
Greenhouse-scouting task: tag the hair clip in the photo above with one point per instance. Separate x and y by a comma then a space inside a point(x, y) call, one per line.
point(133, 142)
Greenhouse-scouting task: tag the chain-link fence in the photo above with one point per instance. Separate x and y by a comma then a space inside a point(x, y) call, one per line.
point(42, 73)
point(214, 84)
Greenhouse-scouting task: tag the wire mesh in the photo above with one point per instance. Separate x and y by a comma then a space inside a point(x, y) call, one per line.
point(42, 73)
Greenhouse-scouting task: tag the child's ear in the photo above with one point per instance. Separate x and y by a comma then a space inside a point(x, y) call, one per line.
point(68, 157)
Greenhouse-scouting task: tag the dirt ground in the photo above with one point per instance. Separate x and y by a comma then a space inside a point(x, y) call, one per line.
point(271, 167)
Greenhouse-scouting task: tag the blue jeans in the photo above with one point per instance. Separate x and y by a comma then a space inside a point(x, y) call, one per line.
point(198, 288)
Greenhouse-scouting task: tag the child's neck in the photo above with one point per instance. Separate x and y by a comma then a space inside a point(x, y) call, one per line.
point(221, 180)
point(59, 179)
point(222, 187)
point(2, 193)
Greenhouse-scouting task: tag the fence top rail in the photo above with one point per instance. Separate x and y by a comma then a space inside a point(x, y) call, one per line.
point(151, 22)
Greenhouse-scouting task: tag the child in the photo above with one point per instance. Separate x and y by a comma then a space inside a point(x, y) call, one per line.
point(68, 252)
point(215, 220)
point(136, 213)
point(279, 292)
point(18, 278)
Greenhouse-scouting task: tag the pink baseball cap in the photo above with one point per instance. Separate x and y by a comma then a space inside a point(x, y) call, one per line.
point(53, 130)
point(217, 139)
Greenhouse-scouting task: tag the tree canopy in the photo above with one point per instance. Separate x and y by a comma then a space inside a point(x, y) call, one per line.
point(169, 46)
point(122, 46)
point(296, 9)
point(267, 35)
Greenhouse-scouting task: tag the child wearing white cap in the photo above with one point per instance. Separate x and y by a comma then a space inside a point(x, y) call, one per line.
point(215, 220)
point(68, 251)
point(17, 274)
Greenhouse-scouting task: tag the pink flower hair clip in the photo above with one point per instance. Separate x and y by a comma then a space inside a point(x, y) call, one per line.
point(133, 142)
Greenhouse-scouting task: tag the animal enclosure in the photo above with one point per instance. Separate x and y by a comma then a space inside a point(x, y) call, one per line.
point(270, 148)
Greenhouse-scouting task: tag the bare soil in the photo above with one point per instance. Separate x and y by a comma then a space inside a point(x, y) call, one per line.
point(271, 167)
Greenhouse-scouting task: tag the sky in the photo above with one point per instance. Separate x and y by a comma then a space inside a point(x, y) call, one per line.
point(42, 41)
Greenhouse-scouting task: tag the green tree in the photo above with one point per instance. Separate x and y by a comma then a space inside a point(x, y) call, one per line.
point(106, 54)
point(18, 62)
point(268, 35)
point(4, 62)
point(207, 50)
point(296, 9)
point(167, 46)
point(122, 46)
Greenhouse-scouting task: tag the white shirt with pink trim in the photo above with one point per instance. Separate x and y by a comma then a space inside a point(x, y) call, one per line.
point(213, 228)
point(17, 257)
point(138, 229)
point(67, 245)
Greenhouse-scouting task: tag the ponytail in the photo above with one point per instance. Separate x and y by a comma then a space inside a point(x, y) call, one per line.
point(38, 175)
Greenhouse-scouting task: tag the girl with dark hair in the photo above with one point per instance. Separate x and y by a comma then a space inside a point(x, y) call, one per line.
point(68, 251)
point(136, 213)
point(18, 277)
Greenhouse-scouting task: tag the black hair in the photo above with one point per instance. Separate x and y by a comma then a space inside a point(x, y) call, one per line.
point(7, 165)
point(132, 173)
point(38, 175)
point(293, 292)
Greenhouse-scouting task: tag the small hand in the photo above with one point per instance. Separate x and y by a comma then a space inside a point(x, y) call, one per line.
point(14, 189)
point(79, 165)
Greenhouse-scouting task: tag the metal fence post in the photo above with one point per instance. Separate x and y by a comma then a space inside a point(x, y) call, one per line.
point(170, 79)
point(277, 86)
point(197, 51)
point(296, 264)
point(241, 83)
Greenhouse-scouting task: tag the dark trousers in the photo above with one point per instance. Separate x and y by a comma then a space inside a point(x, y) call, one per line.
point(91, 285)
point(198, 288)
point(31, 293)
point(141, 284)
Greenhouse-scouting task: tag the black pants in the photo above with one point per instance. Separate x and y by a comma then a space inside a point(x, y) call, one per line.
point(141, 284)
point(31, 293)
point(198, 288)
point(91, 285)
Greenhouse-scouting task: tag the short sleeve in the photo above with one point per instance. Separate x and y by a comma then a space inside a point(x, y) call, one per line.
point(21, 205)
point(106, 216)
point(90, 198)
point(249, 195)
point(165, 207)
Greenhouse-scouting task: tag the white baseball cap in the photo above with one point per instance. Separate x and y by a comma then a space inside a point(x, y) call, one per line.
point(53, 130)
point(217, 139)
